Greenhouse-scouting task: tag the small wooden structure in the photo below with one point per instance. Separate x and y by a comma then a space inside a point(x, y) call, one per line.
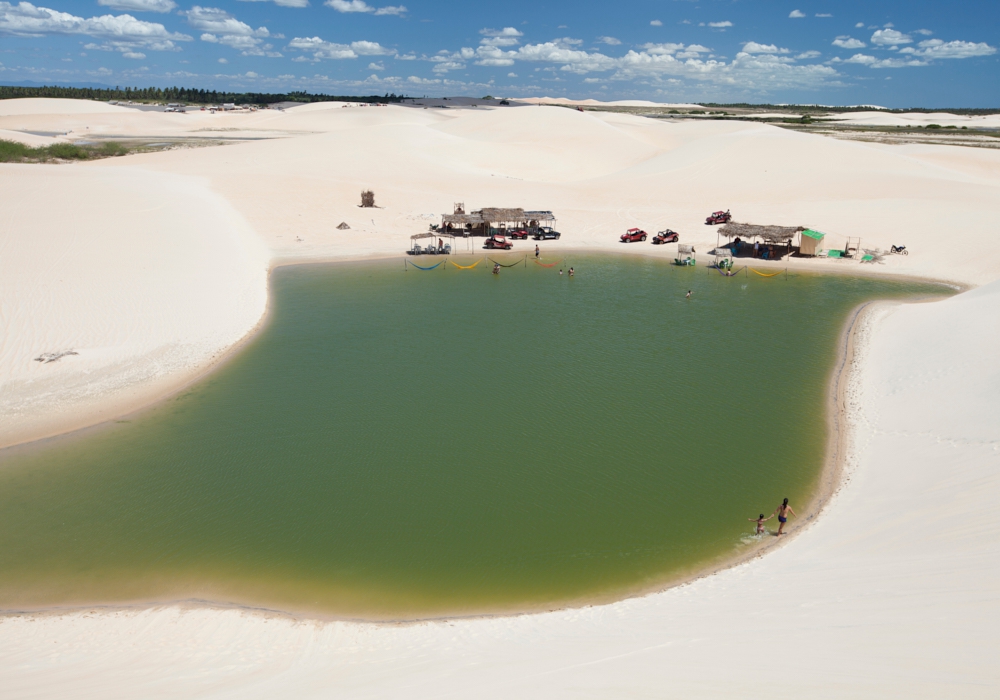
point(438, 245)
point(343, 226)
point(769, 235)
point(809, 242)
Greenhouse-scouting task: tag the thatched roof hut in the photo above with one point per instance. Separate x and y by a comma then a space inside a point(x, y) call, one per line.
point(496, 216)
point(771, 234)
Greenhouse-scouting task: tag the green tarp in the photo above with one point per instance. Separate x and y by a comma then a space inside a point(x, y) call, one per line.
point(813, 234)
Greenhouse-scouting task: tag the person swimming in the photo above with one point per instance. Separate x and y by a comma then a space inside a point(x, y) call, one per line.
point(782, 512)
point(688, 295)
point(760, 522)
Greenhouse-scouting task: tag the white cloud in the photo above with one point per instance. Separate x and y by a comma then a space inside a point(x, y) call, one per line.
point(133, 54)
point(935, 48)
point(808, 54)
point(753, 47)
point(924, 32)
point(139, 5)
point(890, 37)
point(656, 23)
point(364, 7)
point(846, 42)
point(719, 25)
point(859, 25)
point(823, 14)
point(872, 62)
point(609, 40)
point(220, 27)
point(328, 50)
point(25, 19)
point(657, 64)
point(223, 60)
point(862, 59)
point(376, 66)
point(250, 74)
point(796, 14)
point(508, 36)
point(284, 3)
point(512, 75)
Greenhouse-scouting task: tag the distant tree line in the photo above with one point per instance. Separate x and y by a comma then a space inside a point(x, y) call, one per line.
point(186, 95)
point(856, 108)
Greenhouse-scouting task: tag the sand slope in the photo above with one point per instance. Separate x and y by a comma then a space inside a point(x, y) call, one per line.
point(145, 275)
point(149, 265)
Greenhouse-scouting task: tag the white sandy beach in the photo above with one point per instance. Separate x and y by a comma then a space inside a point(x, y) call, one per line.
point(151, 266)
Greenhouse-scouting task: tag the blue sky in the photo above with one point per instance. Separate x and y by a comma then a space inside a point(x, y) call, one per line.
point(891, 52)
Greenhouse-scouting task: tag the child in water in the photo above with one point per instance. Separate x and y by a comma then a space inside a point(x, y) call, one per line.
point(571, 272)
point(760, 522)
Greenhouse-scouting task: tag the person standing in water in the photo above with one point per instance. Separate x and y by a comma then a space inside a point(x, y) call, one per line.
point(760, 522)
point(782, 512)
point(571, 272)
point(688, 295)
point(496, 268)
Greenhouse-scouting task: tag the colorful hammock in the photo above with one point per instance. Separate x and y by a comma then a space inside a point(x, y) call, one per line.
point(466, 267)
point(773, 274)
point(547, 265)
point(502, 265)
point(427, 268)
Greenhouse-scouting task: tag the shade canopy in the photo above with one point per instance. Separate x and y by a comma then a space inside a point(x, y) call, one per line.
point(771, 234)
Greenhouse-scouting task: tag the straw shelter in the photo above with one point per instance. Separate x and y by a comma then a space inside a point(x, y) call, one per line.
point(768, 235)
point(489, 220)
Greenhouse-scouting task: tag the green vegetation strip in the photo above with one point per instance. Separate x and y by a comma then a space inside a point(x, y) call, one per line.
point(14, 152)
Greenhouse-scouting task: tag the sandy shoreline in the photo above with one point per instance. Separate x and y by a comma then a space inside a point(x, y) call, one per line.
point(893, 590)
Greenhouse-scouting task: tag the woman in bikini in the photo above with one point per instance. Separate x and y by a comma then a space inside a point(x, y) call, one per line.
point(782, 512)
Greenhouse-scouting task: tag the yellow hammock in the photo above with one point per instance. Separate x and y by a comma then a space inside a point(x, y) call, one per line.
point(763, 275)
point(466, 267)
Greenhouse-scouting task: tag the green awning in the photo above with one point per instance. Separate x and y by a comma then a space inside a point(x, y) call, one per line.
point(813, 234)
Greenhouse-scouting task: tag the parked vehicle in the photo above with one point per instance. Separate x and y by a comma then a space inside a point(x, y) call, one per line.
point(498, 241)
point(632, 235)
point(519, 234)
point(719, 217)
point(546, 233)
point(900, 249)
point(666, 236)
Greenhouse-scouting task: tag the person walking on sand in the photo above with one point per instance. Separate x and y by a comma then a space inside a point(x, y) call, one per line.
point(782, 512)
point(537, 252)
point(760, 522)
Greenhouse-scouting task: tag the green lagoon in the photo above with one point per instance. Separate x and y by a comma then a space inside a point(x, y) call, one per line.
point(407, 444)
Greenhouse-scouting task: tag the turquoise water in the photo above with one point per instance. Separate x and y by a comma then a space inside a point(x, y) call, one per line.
point(402, 444)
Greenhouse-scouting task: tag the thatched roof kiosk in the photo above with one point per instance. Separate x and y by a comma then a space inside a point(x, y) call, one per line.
point(482, 222)
point(769, 235)
point(780, 235)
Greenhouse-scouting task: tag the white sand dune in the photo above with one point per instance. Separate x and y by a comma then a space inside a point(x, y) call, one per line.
point(55, 105)
point(150, 265)
point(972, 121)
